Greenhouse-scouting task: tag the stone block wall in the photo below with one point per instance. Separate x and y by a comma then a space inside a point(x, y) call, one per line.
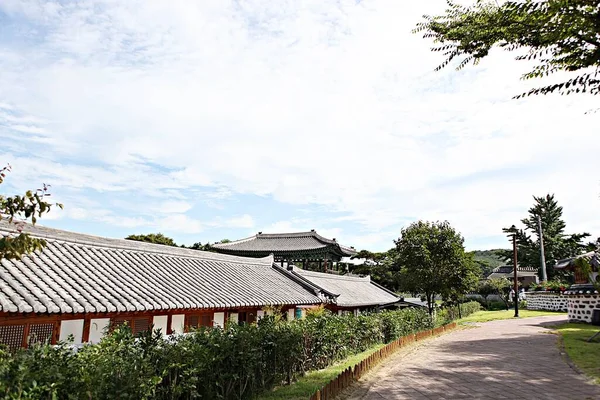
point(581, 307)
point(547, 301)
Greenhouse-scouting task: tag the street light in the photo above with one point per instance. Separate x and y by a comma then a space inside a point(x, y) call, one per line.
point(513, 234)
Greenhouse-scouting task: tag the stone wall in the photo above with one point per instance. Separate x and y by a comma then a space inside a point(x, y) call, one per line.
point(581, 306)
point(546, 301)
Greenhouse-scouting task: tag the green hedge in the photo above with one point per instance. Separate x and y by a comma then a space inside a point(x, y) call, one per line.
point(232, 363)
point(450, 314)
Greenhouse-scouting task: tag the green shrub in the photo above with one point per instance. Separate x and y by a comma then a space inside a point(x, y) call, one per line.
point(236, 362)
point(450, 314)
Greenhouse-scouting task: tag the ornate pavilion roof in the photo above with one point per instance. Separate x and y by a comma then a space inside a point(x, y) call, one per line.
point(298, 244)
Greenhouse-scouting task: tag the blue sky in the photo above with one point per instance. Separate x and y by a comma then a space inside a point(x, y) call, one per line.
point(212, 120)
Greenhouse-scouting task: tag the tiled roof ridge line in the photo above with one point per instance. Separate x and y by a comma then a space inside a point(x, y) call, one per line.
point(334, 276)
point(303, 281)
point(384, 288)
point(132, 245)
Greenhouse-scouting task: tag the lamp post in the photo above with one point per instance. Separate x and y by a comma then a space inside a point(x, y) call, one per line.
point(513, 234)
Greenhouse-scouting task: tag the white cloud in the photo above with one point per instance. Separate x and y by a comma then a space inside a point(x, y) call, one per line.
point(315, 103)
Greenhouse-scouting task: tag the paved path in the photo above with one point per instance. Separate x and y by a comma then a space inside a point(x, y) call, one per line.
point(516, 359)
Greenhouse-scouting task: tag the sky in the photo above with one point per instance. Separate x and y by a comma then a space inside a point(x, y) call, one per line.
point(218, 119)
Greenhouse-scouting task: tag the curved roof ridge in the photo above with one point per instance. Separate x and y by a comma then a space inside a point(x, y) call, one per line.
point(57, 235)
point(334, 276)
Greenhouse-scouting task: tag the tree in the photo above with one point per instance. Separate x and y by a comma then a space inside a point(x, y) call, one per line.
point(461, 280)
point(560, 35)
point(432, 261)
point(498, 286)
point(381, 267)
point(557, 244)
point(487, 260)
point(200, 246)
point(18, 210)
point(156, 238)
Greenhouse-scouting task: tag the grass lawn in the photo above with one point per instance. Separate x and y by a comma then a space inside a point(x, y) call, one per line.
point(308, 384)
point(485, 316)
point(585, 355)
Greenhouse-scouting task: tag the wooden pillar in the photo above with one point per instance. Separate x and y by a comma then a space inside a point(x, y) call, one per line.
point(169, 323)
point(25, 342)
point(85, 336)
point(55, 333)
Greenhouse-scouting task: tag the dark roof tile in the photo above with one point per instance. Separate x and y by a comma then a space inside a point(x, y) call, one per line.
point(78, 273)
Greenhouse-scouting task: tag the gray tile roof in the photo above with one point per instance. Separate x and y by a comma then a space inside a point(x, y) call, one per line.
point(352, 291)
point(592, 257)
point(78, 273)
point(506, 271)
point(284, 242)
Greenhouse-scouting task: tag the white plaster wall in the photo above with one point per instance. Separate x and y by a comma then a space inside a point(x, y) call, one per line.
point(71, 327)
point(219, 319)
point(260, 314)
point(581, 307)
point(546, 301)
point(160, 322)
point(291, 314)
point(177, 322)
point(98, 328)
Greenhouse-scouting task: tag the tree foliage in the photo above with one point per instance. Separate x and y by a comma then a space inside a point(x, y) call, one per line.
point(17, 211)
point(557, 244)
point(499, 286)
point(156, 238)
point(487, 260)
point(381, 267)
point(234, 363)
point(432, 261)
point(159, 238)
point(558, 35)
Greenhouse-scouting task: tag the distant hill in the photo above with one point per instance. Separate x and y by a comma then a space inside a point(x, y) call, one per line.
point(488, 260)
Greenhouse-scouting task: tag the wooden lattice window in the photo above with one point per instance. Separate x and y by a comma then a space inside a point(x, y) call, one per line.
point(137, 325)
point(580, 276)
point(140, 325)
point(117, 322)
point(12, 335)
point(40, 333)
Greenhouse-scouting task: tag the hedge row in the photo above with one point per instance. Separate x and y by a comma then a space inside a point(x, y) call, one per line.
point(450, 314)
point(232, 363)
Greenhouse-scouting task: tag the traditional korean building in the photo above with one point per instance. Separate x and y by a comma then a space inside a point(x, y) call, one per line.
point(583, 298)
point(81, 285)
point(84, 285)
point(525, 275)
point(350, 293)
point(299, 248)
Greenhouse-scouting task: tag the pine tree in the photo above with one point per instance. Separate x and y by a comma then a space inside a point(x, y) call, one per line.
point(557, 244)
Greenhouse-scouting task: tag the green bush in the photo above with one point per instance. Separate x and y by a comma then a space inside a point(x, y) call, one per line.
point(236, 362)
point(556, 286)
point(450, 314)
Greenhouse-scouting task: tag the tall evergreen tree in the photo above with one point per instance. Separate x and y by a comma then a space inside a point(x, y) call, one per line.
point(557, 244)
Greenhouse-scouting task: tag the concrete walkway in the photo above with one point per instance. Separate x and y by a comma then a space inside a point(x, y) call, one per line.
point(516, 359)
